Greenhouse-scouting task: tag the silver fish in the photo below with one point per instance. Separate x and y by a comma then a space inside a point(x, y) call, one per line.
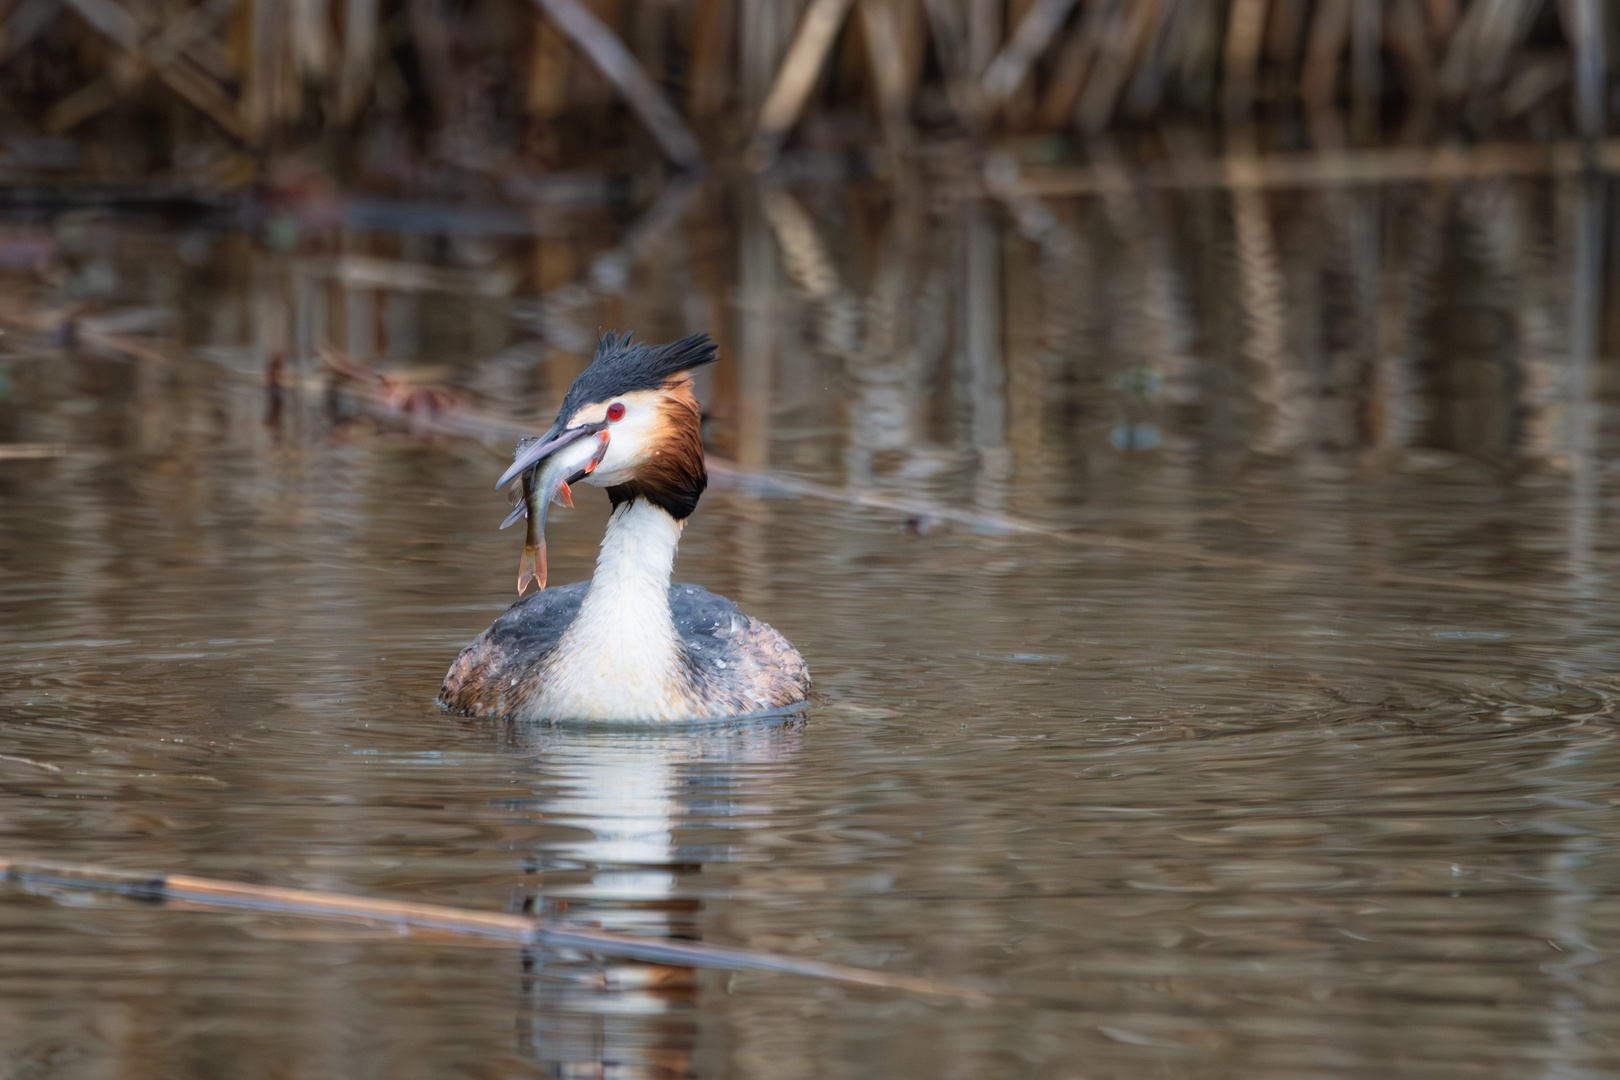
point(547, 483)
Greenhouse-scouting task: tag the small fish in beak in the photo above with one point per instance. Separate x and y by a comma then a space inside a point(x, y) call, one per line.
point(546, 481)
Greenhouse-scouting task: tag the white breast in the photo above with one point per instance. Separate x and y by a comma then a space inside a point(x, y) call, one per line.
point(619, 659)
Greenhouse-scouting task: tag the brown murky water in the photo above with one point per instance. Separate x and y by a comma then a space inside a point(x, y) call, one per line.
point(1210, 597)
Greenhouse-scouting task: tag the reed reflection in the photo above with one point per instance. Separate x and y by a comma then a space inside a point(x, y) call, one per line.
point(638, 812)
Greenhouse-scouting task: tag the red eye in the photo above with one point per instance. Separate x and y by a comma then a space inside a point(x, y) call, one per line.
point(616, 411)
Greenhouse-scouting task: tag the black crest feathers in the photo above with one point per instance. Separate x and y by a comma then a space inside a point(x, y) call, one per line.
point(622, 368)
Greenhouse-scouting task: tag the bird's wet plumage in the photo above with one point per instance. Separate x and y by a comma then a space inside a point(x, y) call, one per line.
point(627, 644)
point(735, 662)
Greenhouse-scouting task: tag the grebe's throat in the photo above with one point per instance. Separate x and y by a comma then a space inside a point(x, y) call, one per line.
point(620, 657)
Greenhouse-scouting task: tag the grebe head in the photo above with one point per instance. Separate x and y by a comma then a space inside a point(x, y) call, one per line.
point(639, 399)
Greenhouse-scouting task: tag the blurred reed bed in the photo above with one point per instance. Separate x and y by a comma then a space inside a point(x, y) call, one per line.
point(444, 92)
point(937, 356)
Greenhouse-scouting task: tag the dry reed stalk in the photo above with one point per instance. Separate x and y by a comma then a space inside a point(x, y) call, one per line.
point(621, 69)
point(434, 922)
point(1007, 72)
point(891, 72)
point(1124, 39)
point(111, 20)
point(1533, 84)
point(984, 19)
point(311, 39)
point(171, 54)
point(805, 58)
point(202, 91)
point(1583, 22)
point(81, 105)
point(1329, 33)
point(1285, 34)
point(902, 24)
point(25, 22)
point(1015, 111)
point(359, 55)
point(913, 24)
point(431, 37)
point(712, 35)
point(1319, 77)
point(1366, 37)
point(763, 30)
point(184, 57)
point(948, 29)
point(190, 34)
point(261, 89)
point(117, 25)
point(1073, 67)
point(1144, 90)
point(1245, 29)
point(1408, 42)
point(1277, 76)
point(1476, 59)
point(547, 92)
point(1442, 20)
point(1113, 58)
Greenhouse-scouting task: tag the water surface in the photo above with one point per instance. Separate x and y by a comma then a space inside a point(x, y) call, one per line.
point(1210, 597)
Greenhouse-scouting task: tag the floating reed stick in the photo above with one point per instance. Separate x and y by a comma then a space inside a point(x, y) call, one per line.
point(991, 522)
point(434, 922)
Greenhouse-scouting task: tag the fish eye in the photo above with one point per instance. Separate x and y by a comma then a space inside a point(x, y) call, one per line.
point(616, 411)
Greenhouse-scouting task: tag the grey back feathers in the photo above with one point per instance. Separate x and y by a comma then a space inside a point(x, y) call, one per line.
point(622, 368)
point(708, 626)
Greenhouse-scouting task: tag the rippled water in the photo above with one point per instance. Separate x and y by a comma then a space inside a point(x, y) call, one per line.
point(1209, 595)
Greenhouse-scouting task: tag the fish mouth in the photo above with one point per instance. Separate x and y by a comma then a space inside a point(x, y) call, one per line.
point(542, 448)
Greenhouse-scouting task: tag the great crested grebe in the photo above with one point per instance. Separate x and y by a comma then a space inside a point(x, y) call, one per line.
point(626, 645)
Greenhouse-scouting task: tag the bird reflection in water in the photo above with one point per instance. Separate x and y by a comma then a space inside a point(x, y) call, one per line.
point(618, 802)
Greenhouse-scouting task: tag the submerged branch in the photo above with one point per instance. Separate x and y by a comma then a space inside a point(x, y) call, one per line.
point(988, 522)
point(441, 923)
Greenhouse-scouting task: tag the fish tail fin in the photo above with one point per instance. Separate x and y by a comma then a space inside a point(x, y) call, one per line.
point(526, 572)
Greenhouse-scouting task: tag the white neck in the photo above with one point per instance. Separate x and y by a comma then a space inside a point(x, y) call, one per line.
point(618, 659)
